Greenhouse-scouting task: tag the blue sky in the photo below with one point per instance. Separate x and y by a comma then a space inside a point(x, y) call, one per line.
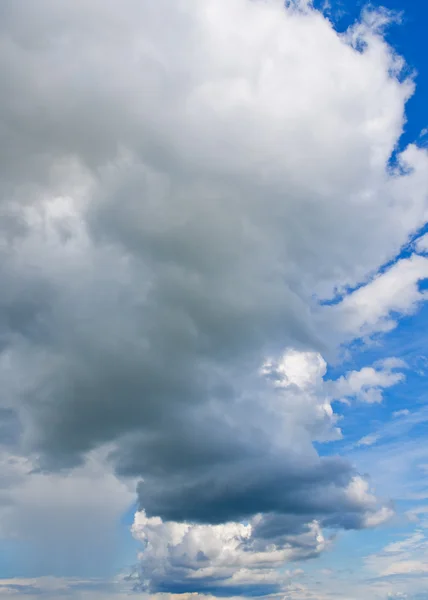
point(181, 415)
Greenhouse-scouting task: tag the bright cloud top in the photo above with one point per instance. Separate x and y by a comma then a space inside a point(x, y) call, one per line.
point(185, 182)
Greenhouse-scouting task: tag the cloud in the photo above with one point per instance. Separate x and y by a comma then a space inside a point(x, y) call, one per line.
point(181, 184)
point(401, 424)
point(224, 560)
point(368, 384)
point(407, 557)
point(401, 413)
point(376, 306)
point(368, 440)
point(235, 559)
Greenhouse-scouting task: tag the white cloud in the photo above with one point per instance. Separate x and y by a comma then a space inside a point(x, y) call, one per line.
point(299, 379)
point(304, 370)
point(367, 385)
point(376, 306)
point(401, 413)
point(368, 440)
point(406, 557)
point(224, 557)
point(359, 491)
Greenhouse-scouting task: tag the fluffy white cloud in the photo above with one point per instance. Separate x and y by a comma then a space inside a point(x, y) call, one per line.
point(358, 490)
point(304, 370)
point(303, 391)
point(376, 306)
point(226, 559)
point(367, 385)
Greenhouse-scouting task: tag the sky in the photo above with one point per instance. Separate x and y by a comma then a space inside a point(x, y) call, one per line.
point(213, 284)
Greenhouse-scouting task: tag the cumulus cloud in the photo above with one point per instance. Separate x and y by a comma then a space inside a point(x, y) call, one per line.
point(181, 183)
point(225, 560)
point(233, 558)
point(368, 384)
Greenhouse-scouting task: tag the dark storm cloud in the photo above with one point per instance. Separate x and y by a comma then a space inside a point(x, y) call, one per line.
point(239, 489)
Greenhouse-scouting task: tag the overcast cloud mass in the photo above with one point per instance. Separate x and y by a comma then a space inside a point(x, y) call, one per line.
point(202, 206)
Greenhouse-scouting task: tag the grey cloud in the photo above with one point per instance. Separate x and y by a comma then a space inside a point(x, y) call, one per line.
point(240, 489)
point(175, 205)
point(9, 427)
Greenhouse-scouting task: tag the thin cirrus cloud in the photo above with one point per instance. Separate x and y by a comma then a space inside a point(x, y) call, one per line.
point(181, 181)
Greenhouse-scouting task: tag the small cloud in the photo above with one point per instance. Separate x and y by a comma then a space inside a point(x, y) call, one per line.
point(368, 440)
point(401, 413)
point(368, 384)
point(326, 7)
point(414, 513)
